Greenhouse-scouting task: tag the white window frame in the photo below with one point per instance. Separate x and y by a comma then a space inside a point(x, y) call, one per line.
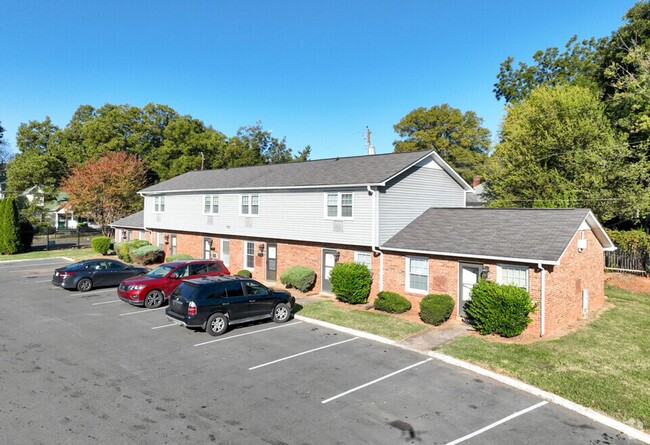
point(214, 203)
point(249, 198)
point(525, 269)
point(339, 205)
point(225, 259)
point(246, 266)
point(159, 239)
point(367, 264)
point(141, 234)
point(159, 204)
point(407, 274)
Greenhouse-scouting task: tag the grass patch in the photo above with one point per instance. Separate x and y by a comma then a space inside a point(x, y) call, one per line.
point(605, 365)
point(379, 324)
point(75, 254)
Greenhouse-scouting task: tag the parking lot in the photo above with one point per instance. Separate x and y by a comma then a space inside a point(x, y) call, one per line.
point(88, 368)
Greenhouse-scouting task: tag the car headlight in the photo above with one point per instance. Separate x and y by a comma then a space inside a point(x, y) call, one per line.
point(135, 287)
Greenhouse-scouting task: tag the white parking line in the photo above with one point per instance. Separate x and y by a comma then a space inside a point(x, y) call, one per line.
point(302, 353)
point(497, 423)
point(96, 292)
point(375, 381)
point(165, 326)
point(142, 312)
point(28, 280)
point(31, 266)
point(247, 333)
point(107, 302)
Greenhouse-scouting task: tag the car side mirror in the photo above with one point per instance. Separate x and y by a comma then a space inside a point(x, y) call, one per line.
point(174, 276)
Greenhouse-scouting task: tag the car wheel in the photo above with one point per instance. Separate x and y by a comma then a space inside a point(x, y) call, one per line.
point(281, 313)
point(217, 324)
point(154, 299)
point(84, 285)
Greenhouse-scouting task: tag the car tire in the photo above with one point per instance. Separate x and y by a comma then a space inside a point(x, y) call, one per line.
point(281, 313)
point(217, 324)
point(84, 285)
point(154, 299)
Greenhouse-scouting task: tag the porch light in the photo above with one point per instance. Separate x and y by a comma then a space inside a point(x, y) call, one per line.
point(260, 249)
point(485, 270)
point(337, 255)
point(166, 238)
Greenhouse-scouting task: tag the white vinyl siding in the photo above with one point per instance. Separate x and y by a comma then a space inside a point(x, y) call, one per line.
point(159, 204)
point(417, 275)
point(211, 205)
point(339, 205)
point(249, 255)
point(250, 205)
point(364, 258)
point(510, 274)
point(225, 252)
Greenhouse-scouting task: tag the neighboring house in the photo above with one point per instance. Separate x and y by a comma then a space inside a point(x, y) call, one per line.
point(477, 197)
point(315, 213)
point(62, 216)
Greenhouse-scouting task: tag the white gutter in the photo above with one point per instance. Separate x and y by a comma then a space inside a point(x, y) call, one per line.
point(543, 301)
point(375, 236)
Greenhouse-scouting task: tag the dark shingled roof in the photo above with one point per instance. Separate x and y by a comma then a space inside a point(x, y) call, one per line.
point(537, 235)
point(324, 172)
point(135, 221)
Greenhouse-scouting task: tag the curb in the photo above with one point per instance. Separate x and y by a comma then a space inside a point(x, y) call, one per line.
point(36, 259)
point(517, 384)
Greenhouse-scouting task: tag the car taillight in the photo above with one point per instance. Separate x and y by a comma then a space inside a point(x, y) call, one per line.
point(67, 274)
point(191, 308)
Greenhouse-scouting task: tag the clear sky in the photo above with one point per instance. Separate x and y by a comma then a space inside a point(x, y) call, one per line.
point(317, 72)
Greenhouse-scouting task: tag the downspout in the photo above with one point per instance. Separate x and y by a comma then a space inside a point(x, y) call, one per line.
point(542, 300)
point(375, 237)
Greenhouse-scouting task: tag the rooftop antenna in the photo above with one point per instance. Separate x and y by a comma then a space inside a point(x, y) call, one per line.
point(371, 149)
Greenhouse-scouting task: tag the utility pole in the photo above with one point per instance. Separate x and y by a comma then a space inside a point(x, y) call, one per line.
point(371, 149)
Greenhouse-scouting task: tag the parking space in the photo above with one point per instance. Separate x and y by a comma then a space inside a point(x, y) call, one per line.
point(89, 368)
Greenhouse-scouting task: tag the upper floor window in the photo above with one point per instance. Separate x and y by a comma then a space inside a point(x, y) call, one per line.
point(417, 275)
point(211, 204)
point(511, 274)
point(338, 205)
point(159, 204)
point(250, 204)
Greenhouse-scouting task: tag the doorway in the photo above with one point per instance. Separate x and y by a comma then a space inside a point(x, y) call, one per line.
point(329, 261)
point(271, 261)
point(469, 275)
point(207, 247)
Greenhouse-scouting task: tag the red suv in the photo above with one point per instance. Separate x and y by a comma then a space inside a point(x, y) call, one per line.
point(153, 289)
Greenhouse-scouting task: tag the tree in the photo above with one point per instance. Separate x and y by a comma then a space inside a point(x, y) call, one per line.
point(9, 227)
point(459, 138)
point(5, 154)
point(105, 188)
point(558, 145)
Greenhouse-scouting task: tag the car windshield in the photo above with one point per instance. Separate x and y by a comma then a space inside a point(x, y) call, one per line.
point(160, 271)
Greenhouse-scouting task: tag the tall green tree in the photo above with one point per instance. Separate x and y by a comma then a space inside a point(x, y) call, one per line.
point(5, 154)
point(558, 146)
point(459, 138)
point(9, 227)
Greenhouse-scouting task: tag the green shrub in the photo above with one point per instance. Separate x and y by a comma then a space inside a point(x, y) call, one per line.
point(147, 254)
point(101, 244)
point(26, 235)
point(351, 282)
point(299, 277)
point(499, 309)
point(245, 273)
point(630, 241)
point(391, 302)
point(124, 249)
point(179, 256)
point(9, 227)
point(435, 309)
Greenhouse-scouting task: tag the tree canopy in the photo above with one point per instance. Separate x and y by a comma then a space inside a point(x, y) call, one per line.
point(459, 138)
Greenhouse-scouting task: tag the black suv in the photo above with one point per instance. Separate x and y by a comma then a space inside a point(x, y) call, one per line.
point(213, 303)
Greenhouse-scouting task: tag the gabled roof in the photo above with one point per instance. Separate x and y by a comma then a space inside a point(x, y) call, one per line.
point(524, 235)
point(134, 221)
point(350, 171)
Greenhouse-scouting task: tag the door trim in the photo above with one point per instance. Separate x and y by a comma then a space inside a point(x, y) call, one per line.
point(461, 266)
point(324, 251)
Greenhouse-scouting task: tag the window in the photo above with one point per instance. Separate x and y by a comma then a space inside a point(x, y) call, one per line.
point(159, 204)
point(253, 288)
point(364, 258)
point(112, 265)
point(211, 205)
point(510, 274)
point(141, 235)
point(225, 251)
point(234, 289)
point(159, 239)
point(250, 205)
point(249, 255)
point(338, 205)
point(417, 276)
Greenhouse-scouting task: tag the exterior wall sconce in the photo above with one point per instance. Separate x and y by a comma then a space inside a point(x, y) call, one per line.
point(485, 271)
point(337, 255)
point(123, 235)
point(166, 237)
point(260, 249)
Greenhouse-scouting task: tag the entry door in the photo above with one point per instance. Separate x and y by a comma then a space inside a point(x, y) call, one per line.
point(271, 261)
point(206, 248)
point(469, 276)
point(172, 248)
point(329, 260)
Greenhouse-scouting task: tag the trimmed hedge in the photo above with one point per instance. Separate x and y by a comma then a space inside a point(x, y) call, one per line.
point(147, 254)
point(299, 277)
point(435, 309)
point(351, 282)
point(123, 250)
point(245, 273)
point(391, 302)
point(101, 244)
point(179, 256)
point(499, 309)
point(9, 227)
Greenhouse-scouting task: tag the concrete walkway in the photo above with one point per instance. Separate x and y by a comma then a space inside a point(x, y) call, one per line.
point(436, 336)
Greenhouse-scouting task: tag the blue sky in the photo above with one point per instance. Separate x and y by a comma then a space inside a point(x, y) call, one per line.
point(317, 72)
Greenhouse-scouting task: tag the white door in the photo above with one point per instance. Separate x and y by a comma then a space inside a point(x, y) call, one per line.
point(329, 261)
point(469, 276)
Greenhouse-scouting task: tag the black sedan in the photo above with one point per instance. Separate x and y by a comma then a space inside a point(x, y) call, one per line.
point(88, 274)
